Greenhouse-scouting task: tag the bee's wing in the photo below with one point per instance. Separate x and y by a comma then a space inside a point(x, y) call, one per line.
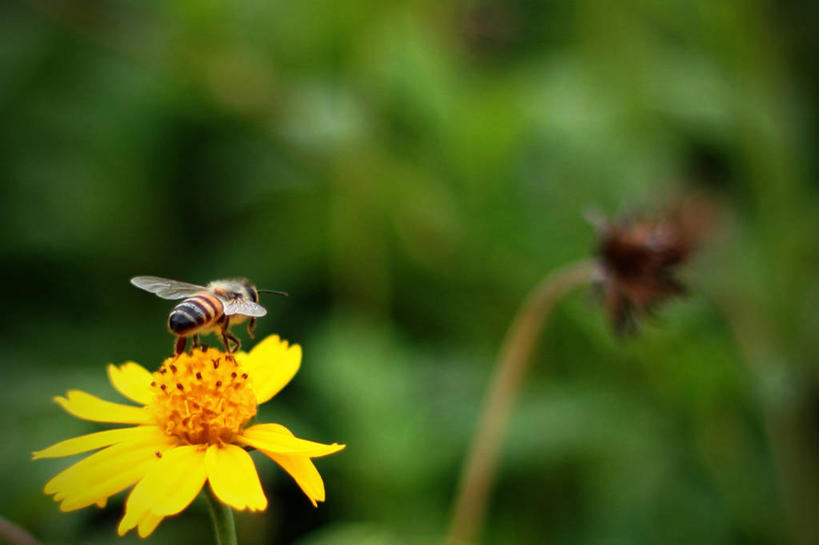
point(167, 288)
point(244, 307)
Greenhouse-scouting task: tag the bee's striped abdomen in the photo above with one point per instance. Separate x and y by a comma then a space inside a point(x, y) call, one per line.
point(194, 313)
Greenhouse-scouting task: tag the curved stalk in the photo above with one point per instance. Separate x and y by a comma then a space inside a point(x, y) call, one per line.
point(785, 420)
point(15, 535)
point(222, 517)
point(513, 361)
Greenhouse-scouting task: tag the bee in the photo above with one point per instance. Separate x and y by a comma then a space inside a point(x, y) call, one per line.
point(207, 309)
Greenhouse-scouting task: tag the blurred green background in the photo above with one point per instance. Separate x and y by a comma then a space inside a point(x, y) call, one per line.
point(408, 171)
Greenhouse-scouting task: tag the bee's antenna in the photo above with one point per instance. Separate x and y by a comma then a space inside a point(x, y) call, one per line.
point(282, 293)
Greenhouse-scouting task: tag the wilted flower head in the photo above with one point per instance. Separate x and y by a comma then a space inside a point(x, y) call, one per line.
point(639, 259)
point(193, 426)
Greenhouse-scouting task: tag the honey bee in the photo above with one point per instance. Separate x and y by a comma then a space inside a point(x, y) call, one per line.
point(207, 309)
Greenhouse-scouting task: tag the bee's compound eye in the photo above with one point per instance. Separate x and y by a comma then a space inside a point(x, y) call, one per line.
point(250, 293)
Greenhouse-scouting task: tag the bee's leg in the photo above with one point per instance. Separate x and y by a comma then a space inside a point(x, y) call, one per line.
point(196, 341)
point(223, 332)
point(179, 345)
point(231, 343)
point(236, 342)
point(225, 341)
point(251, 325)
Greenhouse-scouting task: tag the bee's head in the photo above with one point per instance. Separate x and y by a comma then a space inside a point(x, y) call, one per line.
point(241, 288)
point(244, 289)
point(235, 288)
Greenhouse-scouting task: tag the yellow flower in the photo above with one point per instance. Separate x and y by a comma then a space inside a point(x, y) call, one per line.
point(189, 429)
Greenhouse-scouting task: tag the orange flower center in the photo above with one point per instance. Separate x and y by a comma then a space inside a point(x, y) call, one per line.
point(203, 397)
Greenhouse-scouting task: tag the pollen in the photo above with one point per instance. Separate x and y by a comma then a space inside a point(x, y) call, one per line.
point(202, 397)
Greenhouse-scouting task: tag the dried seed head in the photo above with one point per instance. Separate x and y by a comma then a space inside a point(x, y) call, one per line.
point(639, 258)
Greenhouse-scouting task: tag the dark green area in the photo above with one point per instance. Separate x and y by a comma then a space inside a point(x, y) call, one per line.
point(408, 171)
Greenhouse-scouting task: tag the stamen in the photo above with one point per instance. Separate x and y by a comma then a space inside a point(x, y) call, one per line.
point(194, 406)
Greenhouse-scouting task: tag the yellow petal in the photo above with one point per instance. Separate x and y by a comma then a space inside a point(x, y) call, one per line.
point(303, 472)
point(93, 441)
point(271, 364)
point(148, 524)
point(133, 381)
point(113, 482)
point(233, 477)
point(167, 488)
point(88, 467)
point(89, 407)
point(102, 503)
point(130, 520)
point(277, 438)
point(107, 472)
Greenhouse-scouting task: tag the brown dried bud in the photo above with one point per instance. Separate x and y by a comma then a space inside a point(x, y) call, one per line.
point(639, 258)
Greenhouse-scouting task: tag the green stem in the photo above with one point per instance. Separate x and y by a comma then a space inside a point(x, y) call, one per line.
point(222, 517)
point(513, 361)
point(785, 416)
point(15, 535)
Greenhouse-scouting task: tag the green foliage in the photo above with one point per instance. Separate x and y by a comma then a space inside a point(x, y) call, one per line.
point(408, 171)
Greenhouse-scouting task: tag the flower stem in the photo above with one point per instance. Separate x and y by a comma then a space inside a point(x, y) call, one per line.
point(785, 415)
point(15, 535)
point(513, 361)
point(222, 518)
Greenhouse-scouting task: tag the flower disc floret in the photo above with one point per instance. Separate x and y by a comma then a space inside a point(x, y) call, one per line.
point(204, 397)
